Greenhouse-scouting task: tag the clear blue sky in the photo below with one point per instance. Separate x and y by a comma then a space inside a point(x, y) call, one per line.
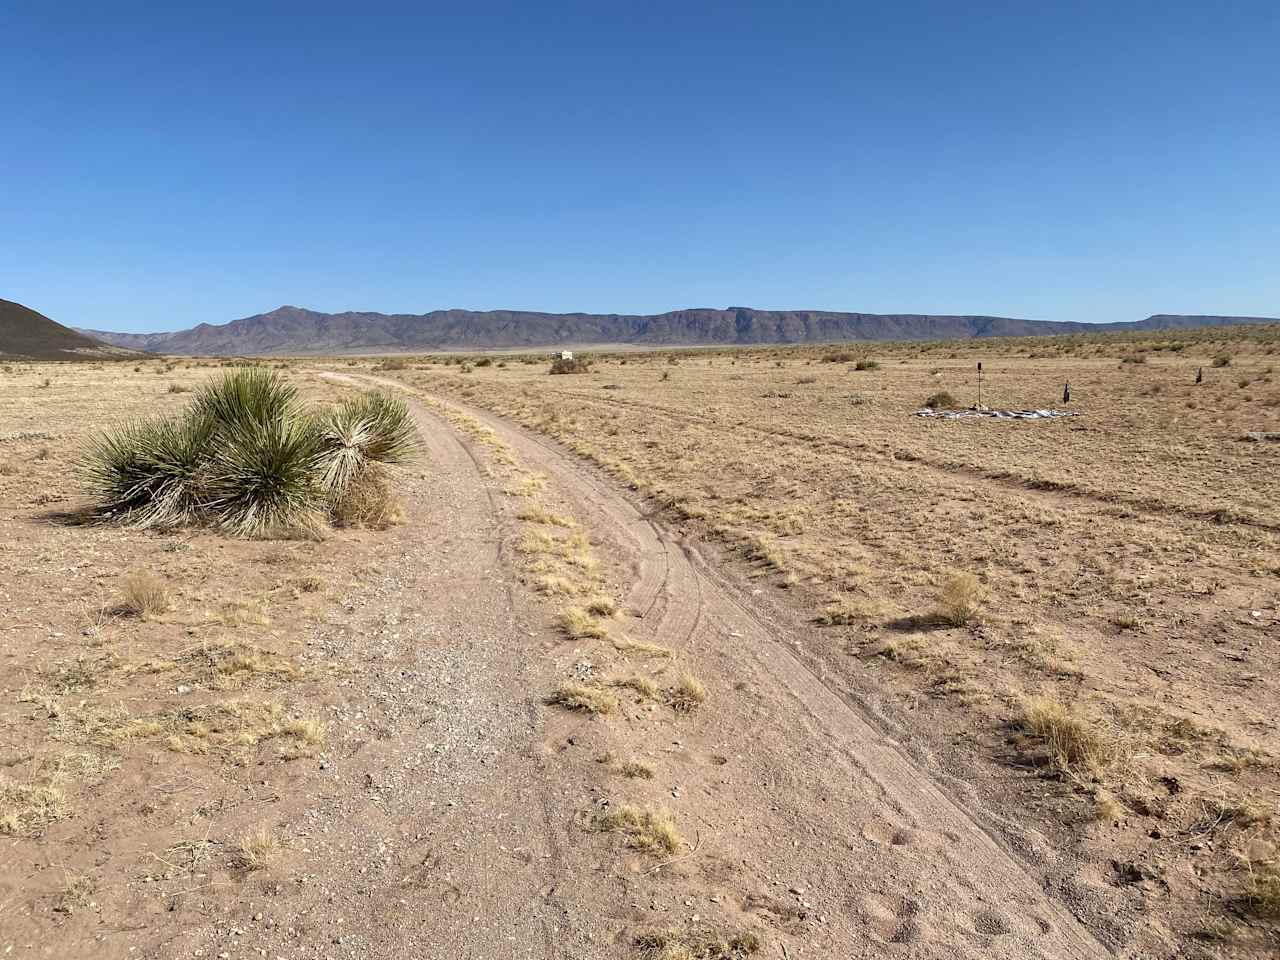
point(160, 167)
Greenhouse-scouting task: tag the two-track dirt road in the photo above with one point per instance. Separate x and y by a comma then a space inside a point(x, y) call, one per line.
point(807, 820)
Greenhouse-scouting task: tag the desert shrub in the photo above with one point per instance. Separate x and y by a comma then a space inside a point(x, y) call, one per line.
point(394, 364)
point(484, 362)
point(144, 594)
point(941, 401)
point(1134, 358)
point(1222, 360)
point(576, 365)
point(838, 356)
point(866, 365)
point(1075, 743)
point(245, 457)
point(958, 599)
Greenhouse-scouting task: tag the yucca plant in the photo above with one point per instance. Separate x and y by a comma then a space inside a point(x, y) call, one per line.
point(264, 478)
point(150, 473)
point(373, 428)
point(247, 459)
point(246, 397)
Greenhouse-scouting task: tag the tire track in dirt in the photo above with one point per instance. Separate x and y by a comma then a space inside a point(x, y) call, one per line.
point(486, 843)
point(820, 824)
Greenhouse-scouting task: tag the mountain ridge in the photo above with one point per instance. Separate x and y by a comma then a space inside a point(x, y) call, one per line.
point(297, 330)
point(26, 334)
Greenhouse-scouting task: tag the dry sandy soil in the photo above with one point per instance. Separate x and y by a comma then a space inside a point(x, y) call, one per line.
point(651, 667)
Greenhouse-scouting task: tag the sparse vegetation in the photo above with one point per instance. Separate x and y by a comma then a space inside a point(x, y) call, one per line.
point(574, 365)
point(144, 595)
point(1075, 744)
point(246, 458)
point(259, 849)
point(647, 829)
point(702, 943)
point(687, 694)
point(941, 401)
point(588, 698)
point(958, 599)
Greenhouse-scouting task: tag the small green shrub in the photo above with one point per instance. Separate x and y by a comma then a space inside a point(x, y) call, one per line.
point(866, 365)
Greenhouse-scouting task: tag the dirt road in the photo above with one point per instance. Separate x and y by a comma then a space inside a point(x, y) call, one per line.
point(807, 820)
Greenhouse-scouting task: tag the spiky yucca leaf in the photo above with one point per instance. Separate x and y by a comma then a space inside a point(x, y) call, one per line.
point(371, 428)
point(247, 397)
point(263, 478)
point(149, 473)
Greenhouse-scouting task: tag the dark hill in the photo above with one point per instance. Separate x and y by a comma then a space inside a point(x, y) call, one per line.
point(28, 335)
point(294, 330)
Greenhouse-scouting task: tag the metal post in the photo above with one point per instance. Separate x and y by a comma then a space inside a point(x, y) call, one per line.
point(979, 384)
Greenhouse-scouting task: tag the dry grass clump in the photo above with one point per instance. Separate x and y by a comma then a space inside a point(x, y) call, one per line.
point(700, 944)
point(635, 770)
point(576, 365)
point(602, 606)
point(368, 501)
point(643, 686)
point(578, 624)
point(647, 829)
point(1075, 744)
point(76, 890)
point(537, 513)
point(245, 457)
point(584, 697)
point(1263, 889)
point(258, 849)
point(641, 648)
point(958, 600)
point(687, 695)
point(144, 595)
point(27, 808)
point(941, 401)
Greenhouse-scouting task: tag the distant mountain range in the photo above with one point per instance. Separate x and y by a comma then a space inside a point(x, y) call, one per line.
point(27, 335)
point(295, 331)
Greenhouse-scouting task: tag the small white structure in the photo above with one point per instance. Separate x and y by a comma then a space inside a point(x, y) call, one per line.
point(565, 355)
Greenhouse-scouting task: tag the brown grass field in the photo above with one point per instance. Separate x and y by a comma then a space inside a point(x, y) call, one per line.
point(1082, 615)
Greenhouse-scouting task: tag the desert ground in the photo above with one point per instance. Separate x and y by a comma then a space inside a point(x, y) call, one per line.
point(692, 654)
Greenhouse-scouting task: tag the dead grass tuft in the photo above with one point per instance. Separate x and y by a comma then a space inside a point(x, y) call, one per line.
point(698, 944)
point(647, 829)
point(77, 888)
point(643, 686)
point(958, 600)
point(688, 694)
point(587, 698)
point(641, 648)
point(578, 624)
point(635, 770)
point(144, 595)
point(602, 606)
point(1075, 743)
point(1263, 889)
point(368, 501)
point(258, 850)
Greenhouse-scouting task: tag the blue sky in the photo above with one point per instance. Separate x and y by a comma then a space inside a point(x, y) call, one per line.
point(162, 167)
